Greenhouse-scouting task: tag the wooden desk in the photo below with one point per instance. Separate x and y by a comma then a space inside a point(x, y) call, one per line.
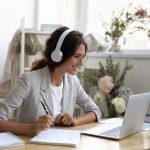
point(137, 141)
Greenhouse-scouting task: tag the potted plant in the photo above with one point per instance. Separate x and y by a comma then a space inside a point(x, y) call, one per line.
point(118, 96)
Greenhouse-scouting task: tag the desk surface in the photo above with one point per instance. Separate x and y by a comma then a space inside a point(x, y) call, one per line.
point(138, 141)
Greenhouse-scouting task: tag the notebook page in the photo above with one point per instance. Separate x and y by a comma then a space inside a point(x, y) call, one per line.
point(57, 137)
point(8, 139)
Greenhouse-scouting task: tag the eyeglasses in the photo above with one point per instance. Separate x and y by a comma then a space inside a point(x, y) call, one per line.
point(80, 58)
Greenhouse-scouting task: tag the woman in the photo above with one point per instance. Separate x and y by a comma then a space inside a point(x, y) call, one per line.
point(48, 94)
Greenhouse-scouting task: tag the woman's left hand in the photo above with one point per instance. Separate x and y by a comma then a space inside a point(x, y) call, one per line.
point(65, 119)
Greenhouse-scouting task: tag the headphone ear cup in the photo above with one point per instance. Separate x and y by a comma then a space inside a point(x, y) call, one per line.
point(56, 56)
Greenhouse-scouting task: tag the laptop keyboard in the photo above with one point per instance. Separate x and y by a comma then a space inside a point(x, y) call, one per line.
point(113, 132)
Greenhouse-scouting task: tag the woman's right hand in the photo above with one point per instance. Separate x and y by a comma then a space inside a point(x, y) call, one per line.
point(44, 122)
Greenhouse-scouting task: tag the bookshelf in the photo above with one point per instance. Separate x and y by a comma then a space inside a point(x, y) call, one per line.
point(24, 32)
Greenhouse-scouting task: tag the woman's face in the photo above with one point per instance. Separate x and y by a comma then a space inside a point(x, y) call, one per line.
point(74, 63)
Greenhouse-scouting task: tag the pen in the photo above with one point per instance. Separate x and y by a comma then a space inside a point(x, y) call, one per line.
point(46, 110)
point(44, 107)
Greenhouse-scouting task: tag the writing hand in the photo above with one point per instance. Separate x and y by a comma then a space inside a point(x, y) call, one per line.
point(44, 122)
point(65, 119)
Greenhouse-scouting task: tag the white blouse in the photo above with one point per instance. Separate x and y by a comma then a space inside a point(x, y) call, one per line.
point(57, 98)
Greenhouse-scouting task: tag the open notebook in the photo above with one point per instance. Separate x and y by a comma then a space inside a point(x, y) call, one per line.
point(8, 139)
point(132, 123)
point(57, 137)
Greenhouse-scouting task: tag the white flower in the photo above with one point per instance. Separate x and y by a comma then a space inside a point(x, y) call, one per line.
point(120, 104)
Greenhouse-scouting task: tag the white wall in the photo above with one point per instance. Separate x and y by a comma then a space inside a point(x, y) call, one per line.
point(11, 12)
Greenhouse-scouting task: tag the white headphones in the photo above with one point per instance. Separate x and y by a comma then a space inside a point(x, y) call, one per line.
point(56, 55)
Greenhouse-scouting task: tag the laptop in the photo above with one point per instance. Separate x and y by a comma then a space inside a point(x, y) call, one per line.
point(117, 128)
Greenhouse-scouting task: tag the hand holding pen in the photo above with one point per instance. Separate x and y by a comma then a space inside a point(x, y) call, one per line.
point(61, 119)
point(48, 116)
point(46, 110)
point(43, 122)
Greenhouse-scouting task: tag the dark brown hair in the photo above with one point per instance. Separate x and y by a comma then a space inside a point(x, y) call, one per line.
point(68, 48)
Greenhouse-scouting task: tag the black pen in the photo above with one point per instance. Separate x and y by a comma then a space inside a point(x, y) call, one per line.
point(44, 107)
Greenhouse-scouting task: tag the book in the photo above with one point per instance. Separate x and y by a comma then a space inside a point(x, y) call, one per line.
point(57, 137)
point(8, 139)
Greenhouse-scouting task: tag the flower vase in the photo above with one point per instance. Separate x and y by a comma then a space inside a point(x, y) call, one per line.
point(115, 47)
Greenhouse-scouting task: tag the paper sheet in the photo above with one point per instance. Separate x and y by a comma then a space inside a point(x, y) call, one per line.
point(57, 137)
point(8, 139)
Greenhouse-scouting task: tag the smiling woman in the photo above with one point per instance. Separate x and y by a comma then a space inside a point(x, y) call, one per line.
point(54, 77)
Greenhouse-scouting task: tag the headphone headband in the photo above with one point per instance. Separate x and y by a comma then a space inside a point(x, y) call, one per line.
point(57, 54)
point(61, 39)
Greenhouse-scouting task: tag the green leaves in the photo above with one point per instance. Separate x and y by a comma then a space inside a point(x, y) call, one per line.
point(112, 69)
point(118, 73)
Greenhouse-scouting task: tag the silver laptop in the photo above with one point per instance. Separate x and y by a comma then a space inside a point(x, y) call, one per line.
point(131, 123)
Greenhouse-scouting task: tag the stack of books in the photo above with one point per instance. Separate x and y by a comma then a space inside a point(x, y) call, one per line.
point(49, 27)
